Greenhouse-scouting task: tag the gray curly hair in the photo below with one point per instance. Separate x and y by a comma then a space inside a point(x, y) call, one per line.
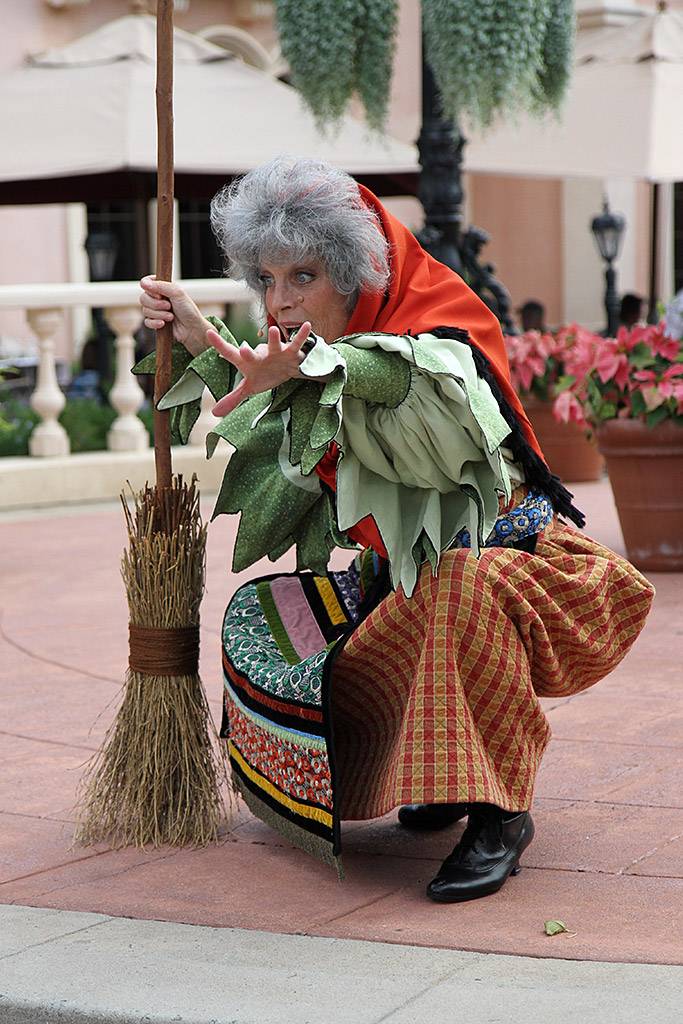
point(291, 210)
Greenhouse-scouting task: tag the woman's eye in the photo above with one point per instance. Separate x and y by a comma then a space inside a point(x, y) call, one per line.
point(304, 276)
point(266, 280)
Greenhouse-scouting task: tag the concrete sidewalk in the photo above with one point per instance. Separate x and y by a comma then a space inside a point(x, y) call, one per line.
point(607, 859)
point(91, 969)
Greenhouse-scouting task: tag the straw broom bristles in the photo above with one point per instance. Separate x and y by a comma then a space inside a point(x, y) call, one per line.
point(157, 776)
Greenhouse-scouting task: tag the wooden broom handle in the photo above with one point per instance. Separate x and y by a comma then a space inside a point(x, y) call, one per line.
point(164, 267)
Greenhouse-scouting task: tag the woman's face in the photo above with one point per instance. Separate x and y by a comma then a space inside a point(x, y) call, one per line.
point(295, 292)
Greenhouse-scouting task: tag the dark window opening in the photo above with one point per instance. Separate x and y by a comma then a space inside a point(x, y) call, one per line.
point(127, 221)
point(678, 236)
point(199, 254)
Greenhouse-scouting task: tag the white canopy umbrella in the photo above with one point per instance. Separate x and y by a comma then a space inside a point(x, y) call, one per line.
point(85, 112)
point(623, 116)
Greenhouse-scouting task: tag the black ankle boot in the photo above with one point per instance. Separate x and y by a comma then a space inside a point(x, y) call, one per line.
point(487, 854)
point(431, 816)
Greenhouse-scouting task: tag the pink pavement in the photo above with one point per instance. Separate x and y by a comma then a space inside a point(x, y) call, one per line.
point(607, 859)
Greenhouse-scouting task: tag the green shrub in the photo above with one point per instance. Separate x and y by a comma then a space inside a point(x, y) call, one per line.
point(85, 420)
point(17, 420)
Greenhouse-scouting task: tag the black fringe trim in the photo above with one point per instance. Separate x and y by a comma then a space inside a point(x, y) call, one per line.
point(536, 471)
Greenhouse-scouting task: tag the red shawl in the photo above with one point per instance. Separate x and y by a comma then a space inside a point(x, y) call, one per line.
point(423, 294)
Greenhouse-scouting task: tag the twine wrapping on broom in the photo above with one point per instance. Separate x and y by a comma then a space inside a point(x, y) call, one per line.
point(163, 652)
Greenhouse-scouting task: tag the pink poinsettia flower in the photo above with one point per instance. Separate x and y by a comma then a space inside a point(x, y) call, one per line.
point(584, 336)
point(602, 374)
point(627, 338)
point(652, 397)
point(612, 363)
point(645, 376)
point(670, 378)
point(528, 354)
point(567, 409)
point(547, 345)
point(527, 369)
point(668, 348)
point(657, 388)
point(671, 384)
point(582, 357)
point(652, 335)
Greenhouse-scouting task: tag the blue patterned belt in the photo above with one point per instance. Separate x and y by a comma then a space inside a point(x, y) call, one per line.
point(532, 515)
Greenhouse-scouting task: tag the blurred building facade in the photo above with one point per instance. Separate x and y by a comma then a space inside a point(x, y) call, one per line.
point(540, 239)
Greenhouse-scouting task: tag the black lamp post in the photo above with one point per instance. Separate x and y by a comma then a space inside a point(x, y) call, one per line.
point(441, 193)
point(440, 189)
point(608, 229)
point(102, 249)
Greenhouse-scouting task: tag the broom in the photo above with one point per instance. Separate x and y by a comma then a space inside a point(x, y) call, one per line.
point(157, 777)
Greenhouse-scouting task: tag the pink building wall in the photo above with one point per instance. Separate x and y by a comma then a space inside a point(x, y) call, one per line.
point(524, 220)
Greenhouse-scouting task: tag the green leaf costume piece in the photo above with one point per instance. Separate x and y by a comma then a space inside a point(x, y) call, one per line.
point(189, 376)
point(279, 507)
point(183, 418)
point(420, 449)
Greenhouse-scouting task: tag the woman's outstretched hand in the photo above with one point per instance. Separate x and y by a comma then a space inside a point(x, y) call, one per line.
point(263, 367)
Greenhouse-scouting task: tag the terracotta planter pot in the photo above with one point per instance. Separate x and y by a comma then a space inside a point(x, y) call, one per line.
point(645, 469)
point(568, 451)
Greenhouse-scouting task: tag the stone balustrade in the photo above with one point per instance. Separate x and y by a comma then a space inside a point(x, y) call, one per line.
point(45, 306)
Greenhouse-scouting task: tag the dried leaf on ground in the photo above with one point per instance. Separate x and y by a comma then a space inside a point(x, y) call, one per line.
point(556, 928)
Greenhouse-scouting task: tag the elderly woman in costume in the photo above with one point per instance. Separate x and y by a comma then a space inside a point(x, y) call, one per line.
point(378, 415)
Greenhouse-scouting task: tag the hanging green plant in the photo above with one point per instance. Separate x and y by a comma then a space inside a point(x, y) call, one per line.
point(375, 59)
point(337, 47)
point(488, 56)
point(320, 50)
point(558, 52)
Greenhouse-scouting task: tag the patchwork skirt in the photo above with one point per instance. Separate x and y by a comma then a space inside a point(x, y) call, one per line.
point(332, 715)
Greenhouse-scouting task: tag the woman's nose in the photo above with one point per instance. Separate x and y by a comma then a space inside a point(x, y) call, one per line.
point(285, 296)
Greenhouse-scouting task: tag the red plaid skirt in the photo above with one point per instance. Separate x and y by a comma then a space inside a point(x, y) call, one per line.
point(436, 698)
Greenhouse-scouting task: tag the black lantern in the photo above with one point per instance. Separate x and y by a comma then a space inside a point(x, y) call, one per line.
point(608, 230)
point(102, 249)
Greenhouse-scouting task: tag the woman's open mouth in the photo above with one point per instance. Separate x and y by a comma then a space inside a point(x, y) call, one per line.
point(289, 330)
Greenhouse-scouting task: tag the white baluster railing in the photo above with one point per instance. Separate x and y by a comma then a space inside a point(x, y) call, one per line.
point(45, 306)
point(49, 437)
point(128, 432)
